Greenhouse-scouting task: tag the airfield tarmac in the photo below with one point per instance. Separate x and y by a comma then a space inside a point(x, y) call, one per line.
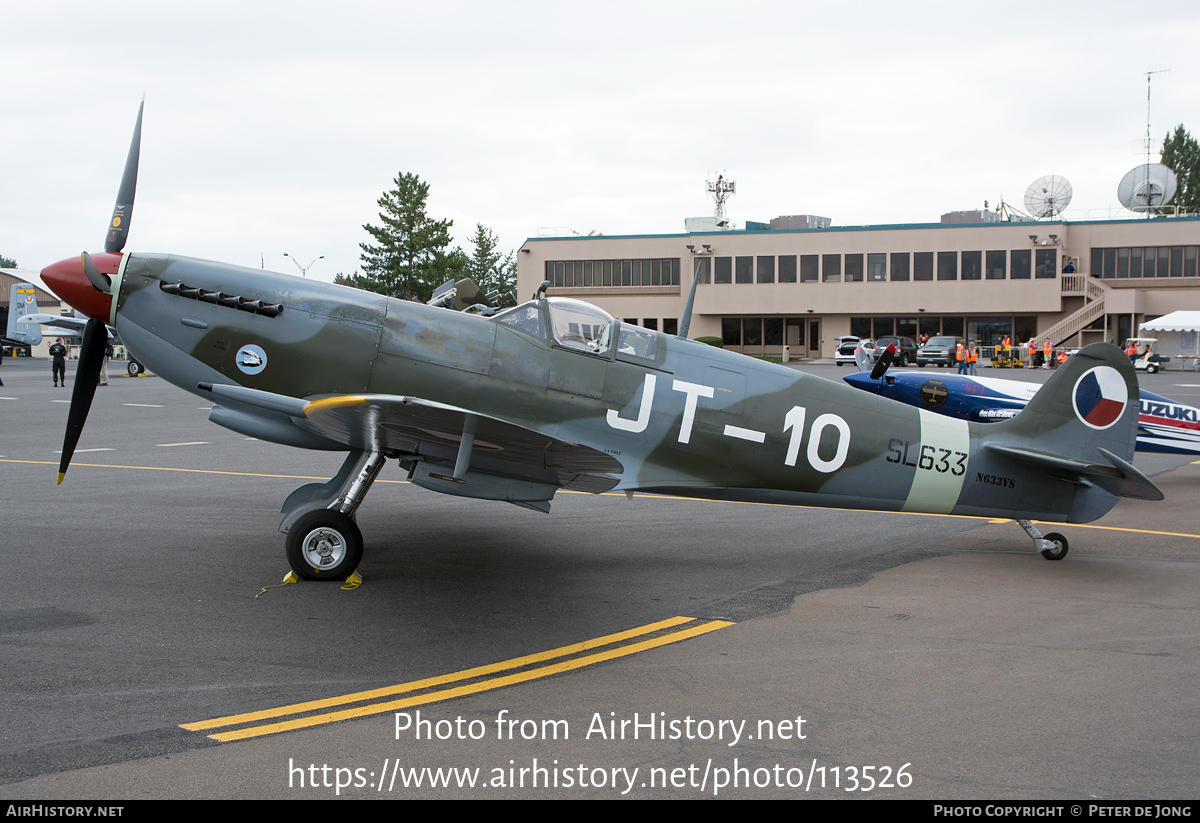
point(943, 643)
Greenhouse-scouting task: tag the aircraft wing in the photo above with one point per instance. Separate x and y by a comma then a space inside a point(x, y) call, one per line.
point(455, 450)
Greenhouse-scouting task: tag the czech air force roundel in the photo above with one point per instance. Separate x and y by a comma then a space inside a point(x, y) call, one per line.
point(1100, 397)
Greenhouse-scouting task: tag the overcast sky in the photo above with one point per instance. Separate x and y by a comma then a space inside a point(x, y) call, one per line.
point(275, 127)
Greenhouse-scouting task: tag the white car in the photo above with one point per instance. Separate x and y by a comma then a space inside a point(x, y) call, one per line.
point(846, 347)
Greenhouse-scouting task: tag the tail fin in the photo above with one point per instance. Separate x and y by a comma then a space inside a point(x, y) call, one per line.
point(1081, 427)
point(22, 300)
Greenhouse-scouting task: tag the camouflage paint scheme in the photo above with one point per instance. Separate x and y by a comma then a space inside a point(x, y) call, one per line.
point(400, 378)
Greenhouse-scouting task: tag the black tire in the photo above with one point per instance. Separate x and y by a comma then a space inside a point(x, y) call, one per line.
point(1060, 550)
point(921, 364)
point(324, 545)
point(839, 365)
point(903, 361)
point(134, 368)
point(1151, 368)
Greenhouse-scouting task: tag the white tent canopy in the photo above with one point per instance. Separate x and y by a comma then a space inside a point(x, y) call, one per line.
point(1175, 321)
point(1178, 338)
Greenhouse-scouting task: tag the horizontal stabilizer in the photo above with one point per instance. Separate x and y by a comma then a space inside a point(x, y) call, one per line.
point(1119, 478)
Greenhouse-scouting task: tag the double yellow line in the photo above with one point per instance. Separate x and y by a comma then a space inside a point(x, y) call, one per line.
point(472, 681)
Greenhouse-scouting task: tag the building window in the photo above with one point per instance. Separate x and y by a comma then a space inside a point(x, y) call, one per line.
point(884, 326)
point(752, 331)
point(766, 270)
point(670, 325)
point(773, 331)
point(995, 265)
point(787, 268)
point(854, 268)
point(947, 265)
point(922, 265)
point(704, 264)
point(1164, 261)
point(831, 268)
point(744, 270)
point(860, 327)
point(808, 268)
point(952, 326)
point(972, 265)
point(650, 323)
point(906, 326)
point(724, 270)
point(731, 331)
point(931, 326)
point(1122, 262)
point(877, 267)
point(1177, 261)
point(900, 265)
point(1135, 262)
point(1189, 261)
point(1046, 263)
point(1020, 265)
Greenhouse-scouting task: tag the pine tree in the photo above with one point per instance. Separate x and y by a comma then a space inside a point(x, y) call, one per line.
point(1181, 153)
point(7, 262)
point(408, 256)
point(489, 270)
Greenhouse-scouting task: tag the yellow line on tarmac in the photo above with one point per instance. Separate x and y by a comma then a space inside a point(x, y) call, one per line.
point(191, 471)
point(645, 497)
point(459, 691)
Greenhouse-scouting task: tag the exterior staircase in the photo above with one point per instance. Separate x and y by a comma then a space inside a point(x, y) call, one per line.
point(1093, 291)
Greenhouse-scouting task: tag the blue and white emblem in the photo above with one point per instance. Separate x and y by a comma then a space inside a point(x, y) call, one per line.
point(251, 359)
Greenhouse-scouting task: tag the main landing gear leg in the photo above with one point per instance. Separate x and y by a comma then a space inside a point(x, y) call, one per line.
point(1053, 546)
point(323, 541)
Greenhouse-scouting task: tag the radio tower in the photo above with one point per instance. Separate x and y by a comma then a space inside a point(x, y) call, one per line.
point(721, 191)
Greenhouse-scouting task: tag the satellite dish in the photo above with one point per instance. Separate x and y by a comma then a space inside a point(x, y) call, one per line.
point(1047, 196)
point(1147, 186)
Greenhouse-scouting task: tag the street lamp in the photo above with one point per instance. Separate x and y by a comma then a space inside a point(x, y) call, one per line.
point(303, 269)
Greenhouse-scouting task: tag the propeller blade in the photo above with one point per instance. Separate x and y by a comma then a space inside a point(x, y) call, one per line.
point(87, 375)
point(118, 229)
point(100, 282)
point(885, 360)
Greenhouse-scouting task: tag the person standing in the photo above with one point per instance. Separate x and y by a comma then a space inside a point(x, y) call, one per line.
point(960, 354)
point(108, 352)
point(58, 363)
point(973, 359)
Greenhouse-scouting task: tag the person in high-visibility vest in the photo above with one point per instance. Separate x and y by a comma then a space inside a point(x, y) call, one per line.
point(1047, 348)
point(973, 358)
point(961, 355)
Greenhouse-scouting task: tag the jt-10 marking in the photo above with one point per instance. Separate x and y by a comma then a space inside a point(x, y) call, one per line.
point(514, 405)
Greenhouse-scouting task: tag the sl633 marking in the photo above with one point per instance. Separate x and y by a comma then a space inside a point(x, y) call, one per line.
point(929, 458)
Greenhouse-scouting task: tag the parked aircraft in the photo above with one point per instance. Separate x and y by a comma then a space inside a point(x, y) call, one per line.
point(1163, 424)
point(556, 394)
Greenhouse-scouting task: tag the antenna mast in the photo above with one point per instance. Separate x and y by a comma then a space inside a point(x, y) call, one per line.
point(721, 191)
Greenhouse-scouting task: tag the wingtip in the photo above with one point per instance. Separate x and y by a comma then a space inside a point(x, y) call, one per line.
point(61, 475)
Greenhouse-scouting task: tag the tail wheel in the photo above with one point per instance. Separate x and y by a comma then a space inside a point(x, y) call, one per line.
point(324, 545)
point(1060, 547)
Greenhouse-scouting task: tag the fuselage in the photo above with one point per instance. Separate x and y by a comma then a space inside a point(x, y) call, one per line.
point(680, 416)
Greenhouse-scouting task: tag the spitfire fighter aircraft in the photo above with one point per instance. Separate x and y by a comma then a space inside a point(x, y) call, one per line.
point(1163, 424)
point(556, 394)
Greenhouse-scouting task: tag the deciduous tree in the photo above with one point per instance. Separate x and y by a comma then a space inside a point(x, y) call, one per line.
point(1181, 153)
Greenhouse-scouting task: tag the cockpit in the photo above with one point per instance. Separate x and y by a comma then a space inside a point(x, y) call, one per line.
point(574, 324)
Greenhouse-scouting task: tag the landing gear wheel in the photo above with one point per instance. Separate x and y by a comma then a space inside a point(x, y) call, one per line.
point(1060, 547)
point(134, 368)
point(324, 545)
